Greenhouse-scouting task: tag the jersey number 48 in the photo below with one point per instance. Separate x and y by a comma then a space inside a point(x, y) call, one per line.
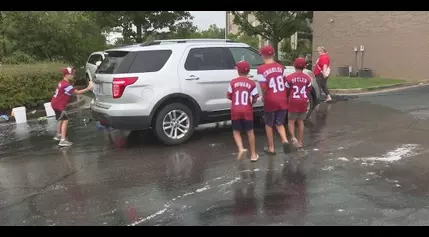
point(277, 84)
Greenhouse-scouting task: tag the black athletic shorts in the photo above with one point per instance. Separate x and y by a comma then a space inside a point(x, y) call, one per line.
point(61, 115)
point(276, 118)
point(242, 125)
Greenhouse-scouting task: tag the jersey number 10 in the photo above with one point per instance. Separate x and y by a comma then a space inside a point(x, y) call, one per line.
point(241, 98)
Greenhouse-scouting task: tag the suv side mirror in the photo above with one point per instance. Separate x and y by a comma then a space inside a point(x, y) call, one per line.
point(97, 63)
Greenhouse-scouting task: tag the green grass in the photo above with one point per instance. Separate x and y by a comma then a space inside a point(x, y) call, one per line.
point(358, 82)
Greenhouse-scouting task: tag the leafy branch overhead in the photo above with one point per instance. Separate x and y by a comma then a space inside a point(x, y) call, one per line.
point(146, 23)
point(273, 25)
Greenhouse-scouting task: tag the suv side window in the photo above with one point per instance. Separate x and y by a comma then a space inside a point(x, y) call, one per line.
point(246, 54)
point(204, 59)
point(95, 58)
point(150, 61)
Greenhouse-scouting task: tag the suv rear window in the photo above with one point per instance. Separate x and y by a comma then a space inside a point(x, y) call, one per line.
point(150, 61)
point(111, 62)
point(133, 62)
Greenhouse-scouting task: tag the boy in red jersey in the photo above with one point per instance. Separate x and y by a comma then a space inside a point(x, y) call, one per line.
point(299, 85)
point(243, 93)
point(271, 78)
point(60, 100)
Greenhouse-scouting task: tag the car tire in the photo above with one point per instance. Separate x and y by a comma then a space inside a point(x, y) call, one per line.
point(163, 115)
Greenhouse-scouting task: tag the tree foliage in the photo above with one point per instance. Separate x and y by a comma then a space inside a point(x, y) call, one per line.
point(146, 23)
point(52, 36)
point(273, 25)
point(252, 41)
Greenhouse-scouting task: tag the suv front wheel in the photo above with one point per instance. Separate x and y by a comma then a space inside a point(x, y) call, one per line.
point(174, 124)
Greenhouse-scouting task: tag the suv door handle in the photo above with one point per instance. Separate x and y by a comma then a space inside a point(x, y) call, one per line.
point(192, 78)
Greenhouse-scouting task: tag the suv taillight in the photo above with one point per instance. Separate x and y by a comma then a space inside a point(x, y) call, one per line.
point(119, 85)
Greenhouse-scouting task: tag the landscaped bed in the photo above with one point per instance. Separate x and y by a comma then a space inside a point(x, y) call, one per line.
point(358, 82)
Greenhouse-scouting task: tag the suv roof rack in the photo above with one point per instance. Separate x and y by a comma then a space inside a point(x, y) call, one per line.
point(158, 42)
point(172, 41)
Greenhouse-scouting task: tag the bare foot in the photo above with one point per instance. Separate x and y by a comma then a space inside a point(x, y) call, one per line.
point(270, 151)
point(254, 158)
point(295, 142)
point(241, 154)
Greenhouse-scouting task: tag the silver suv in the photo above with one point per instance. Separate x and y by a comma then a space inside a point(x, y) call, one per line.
point(172, 86)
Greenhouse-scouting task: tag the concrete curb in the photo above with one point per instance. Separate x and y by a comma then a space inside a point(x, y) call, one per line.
point(377, 89)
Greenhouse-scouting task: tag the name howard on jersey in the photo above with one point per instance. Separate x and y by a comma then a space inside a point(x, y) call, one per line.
point(242, 84)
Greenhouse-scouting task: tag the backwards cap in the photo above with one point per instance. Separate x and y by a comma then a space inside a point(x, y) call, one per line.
point(68, 71)
point(243, 67)
point(300, 63)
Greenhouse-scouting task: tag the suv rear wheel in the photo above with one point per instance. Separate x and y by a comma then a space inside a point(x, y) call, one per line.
point(174, 124)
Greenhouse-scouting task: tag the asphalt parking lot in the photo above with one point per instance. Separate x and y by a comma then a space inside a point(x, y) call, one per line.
point(364, 163)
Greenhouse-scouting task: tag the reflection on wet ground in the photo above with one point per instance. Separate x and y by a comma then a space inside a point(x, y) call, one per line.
point(364, 164)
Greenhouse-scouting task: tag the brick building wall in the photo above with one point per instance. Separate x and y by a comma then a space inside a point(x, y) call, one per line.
point(396, 42)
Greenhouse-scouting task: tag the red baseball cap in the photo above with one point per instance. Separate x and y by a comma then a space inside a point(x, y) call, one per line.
point(68, 70)
point(267, 51)
point(300, 63)
point(243, 67)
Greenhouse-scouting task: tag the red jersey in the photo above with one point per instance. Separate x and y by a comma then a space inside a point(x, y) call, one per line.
point(321, 61)
point(299, 85)
point(62, 95)
point(272, 81)
point(243, 93)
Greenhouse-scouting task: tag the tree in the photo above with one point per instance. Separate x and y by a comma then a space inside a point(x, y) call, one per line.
point(289, 54)
point(182, 30)
point(68, 36)
point(3, 34)
point(252, 41)
point(146, 23)
point(273, 25)
point(213, 32)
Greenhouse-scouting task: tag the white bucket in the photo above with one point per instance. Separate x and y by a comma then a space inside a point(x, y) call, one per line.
point(20, 114)
point(48, 109)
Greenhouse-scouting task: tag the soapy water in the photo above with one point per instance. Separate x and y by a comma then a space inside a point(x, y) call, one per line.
point(17, 133)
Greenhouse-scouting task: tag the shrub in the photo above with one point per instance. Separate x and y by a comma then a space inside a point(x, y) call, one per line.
point(19, 57)
point(27, 85)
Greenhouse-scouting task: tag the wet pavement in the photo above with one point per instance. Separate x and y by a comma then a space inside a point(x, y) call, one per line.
point(365, 163)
